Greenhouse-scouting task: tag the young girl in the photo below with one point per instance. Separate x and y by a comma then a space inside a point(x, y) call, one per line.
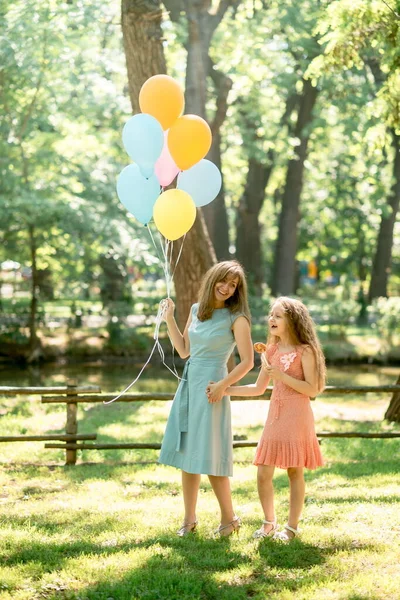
point(294, 361)
point(198, 437)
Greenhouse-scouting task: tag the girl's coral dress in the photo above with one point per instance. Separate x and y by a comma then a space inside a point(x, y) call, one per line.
point(289, 438)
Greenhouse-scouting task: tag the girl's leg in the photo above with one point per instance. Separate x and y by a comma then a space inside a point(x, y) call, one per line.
point(265, 487)
point(190, 488)
point(297, 494)
point(222, 490)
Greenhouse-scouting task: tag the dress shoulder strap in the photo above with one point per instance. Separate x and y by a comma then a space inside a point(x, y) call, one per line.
point(300, 349)
point(271, 349)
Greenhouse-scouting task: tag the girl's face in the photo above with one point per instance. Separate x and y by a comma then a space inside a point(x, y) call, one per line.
point(277, 321)
point(225, 289)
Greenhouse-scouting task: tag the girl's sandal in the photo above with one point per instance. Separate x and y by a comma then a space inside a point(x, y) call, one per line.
point(186, 529)
point(223, 530)
point(283, 536)
point(260, 533)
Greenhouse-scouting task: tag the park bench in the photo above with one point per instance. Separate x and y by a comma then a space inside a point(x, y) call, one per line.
point(71, 400)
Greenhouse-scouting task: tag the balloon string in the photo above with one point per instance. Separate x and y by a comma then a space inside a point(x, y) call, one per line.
point(157, 345)
point(179, 255)
point(135, 380)
point(167, 250)
point(154, 244)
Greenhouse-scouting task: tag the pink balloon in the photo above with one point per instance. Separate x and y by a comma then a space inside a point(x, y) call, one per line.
point(165, 167)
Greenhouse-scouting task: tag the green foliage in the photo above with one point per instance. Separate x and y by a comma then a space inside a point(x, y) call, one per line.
point(386, 314)
point(354, 33)
point(123, 341)
point(63, 103)
point(341, 313)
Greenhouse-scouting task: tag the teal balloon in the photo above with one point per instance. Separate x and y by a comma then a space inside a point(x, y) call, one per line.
point(203, 182)
point(143, 139)
point(137, 193)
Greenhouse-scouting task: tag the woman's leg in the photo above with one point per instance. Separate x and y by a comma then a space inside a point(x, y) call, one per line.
point(190, 488)
point(297, 494)
point(265, 488)
point(222, 490)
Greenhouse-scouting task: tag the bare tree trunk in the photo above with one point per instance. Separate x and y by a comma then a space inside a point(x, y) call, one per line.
point(201, 24)
point(215, 213)
point(248, 230)
point(286, 247)
point(142, 37)
point(142, 33)
point(393, 411)
point(34, 342)
point(383, 257)
point(194, 262)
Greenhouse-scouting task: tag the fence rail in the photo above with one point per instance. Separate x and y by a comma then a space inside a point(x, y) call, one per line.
point(235, 443)
point(331, 390)
point(72, 395)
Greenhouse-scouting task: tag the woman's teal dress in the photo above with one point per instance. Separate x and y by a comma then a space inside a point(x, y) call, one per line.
point(198, 436)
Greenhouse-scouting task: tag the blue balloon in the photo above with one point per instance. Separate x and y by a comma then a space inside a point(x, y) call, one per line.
point(143, 139)
point(202, 181)
point(137, 193)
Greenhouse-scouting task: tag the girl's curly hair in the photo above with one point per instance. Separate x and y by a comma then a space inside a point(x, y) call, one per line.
point(302, 331)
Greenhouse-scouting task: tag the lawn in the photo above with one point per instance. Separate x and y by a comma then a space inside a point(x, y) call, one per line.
point(104, 529)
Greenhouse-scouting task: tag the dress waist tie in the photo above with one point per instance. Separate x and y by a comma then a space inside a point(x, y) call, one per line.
point(183, 406)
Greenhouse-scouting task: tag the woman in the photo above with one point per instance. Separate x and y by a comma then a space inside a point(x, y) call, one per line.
point(198, 437)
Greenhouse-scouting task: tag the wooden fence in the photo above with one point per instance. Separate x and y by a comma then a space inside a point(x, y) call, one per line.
point(69, 393)
point(71, 441)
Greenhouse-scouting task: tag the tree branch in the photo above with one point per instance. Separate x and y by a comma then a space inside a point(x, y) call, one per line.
point(221, 10)
point(223, 85)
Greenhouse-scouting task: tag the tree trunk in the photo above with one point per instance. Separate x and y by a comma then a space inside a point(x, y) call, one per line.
point(286, 247)
point(195, 260)
point(393, 411)
point(248, 230)
point(142, 37)
point(198, 254)
point(202, 21)
point(142, 33)
point(383, 257)
point(215, 213)
point(34, 343)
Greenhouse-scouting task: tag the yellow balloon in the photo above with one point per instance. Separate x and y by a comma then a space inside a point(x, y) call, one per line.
point(189, 140)
point(174, 213)
point(163, 98)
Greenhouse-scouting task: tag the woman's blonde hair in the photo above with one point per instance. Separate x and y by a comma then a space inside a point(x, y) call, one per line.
point(237, 303)
point(302, 331)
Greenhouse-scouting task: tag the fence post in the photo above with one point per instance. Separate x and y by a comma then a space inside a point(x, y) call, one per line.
point(71, 426)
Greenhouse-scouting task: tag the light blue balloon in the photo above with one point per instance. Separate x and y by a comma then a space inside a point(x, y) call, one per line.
point(143, 139)
point(137, 193)
point(202, 181)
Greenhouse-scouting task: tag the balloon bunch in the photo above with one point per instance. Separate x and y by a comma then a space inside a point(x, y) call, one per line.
point(165, 144)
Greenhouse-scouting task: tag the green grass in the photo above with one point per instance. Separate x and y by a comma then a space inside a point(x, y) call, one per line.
point(104, 529)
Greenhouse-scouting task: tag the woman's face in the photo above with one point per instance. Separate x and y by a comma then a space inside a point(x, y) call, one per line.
point(277, 321)
point(225, 289)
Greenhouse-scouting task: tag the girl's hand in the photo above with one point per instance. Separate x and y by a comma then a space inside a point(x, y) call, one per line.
point(272, 372)
point(215, 391)
point(168, 308)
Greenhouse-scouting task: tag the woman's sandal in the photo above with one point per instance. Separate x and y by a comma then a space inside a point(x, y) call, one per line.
point(223, 530)
point(260, 533)
point(283, 535)
point(186, 529)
